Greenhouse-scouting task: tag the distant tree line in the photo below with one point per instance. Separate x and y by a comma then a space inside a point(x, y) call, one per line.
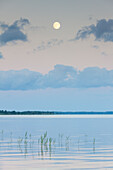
point(5, 112)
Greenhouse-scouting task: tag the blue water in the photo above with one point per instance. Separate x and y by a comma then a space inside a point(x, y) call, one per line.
point(77, 143)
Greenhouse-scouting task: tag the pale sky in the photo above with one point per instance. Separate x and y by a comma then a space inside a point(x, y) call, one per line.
point(84, 42)
point(73, 15)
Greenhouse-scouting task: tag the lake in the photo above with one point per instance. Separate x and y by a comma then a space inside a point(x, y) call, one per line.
point(56, 142)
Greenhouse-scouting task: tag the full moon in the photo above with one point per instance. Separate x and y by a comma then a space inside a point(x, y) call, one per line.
point(56, 25)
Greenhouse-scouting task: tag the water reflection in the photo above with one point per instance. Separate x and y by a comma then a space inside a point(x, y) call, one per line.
point(45, 146)
point(19, 144)
point(67, 143)
point(78, 143)
point(25, 144)
point(62, 150)
point(2, 135)
point(94, 145)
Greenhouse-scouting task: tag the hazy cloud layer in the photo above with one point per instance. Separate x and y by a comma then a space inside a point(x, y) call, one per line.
point(51, 43)
point(13, 32)
point(20, 80)
point(103, 30)
point(60, 76)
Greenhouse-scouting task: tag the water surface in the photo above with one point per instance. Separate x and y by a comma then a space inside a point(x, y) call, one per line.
point(71, 142)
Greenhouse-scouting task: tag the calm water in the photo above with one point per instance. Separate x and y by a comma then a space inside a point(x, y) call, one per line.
point(56, 142)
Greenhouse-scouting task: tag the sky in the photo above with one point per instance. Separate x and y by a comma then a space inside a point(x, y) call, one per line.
point(69, 69)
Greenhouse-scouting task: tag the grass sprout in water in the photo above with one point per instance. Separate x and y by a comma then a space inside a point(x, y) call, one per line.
point(44, 147)
point(58, 147)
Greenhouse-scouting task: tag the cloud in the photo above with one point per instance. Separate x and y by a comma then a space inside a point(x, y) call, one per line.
point(95, 77)
point(60, 76)
point(35, 28)
point(103, 30)
point(20, 80)
point(103, 53)
point(95, 46)
point(3, 26)
point(1, 56)
point(14, 32)
point(51, 43)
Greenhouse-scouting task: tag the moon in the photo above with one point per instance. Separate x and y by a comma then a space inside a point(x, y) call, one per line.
point(56, 25)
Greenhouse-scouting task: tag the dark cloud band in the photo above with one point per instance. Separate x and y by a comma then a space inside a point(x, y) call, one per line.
point(13, 32)
point(103, 30)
